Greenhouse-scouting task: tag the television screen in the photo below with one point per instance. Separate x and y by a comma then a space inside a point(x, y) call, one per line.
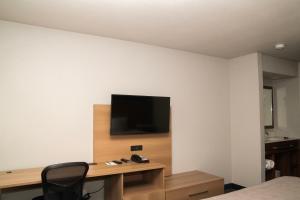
point(139, 114)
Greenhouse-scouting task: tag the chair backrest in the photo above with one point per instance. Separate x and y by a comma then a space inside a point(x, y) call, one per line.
point(64, 181)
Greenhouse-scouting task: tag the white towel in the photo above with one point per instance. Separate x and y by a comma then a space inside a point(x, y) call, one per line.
point(270, 164)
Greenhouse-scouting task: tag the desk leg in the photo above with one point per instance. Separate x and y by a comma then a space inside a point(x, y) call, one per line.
point(113, 187)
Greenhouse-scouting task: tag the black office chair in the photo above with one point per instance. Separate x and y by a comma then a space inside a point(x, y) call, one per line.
point(63, 181)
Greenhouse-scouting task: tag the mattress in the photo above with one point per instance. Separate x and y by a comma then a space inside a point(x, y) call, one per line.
point(282, 188)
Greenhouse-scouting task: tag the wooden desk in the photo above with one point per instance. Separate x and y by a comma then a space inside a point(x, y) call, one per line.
point(118, 180)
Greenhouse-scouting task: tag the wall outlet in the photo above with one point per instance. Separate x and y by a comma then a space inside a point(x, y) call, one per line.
point(136, 148)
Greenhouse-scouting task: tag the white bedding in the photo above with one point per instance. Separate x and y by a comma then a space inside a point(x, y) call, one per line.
point(282, 188)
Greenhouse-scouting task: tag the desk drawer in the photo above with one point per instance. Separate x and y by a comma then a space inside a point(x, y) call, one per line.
point(194, 192)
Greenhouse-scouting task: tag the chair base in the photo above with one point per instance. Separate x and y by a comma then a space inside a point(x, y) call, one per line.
point(38, 198)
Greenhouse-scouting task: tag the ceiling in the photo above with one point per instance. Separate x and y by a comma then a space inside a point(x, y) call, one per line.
point(223, 28)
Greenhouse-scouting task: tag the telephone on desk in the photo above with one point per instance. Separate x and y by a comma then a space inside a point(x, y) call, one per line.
point(139, 159)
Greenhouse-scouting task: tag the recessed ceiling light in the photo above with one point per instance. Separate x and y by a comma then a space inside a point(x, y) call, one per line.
point(279, 46)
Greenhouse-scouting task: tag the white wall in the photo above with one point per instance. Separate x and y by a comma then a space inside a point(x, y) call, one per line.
point(246, 127)
point(286, 99)
point(50, 79)
point(286, 107)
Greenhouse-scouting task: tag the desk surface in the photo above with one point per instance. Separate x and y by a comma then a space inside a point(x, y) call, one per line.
point(26, 177)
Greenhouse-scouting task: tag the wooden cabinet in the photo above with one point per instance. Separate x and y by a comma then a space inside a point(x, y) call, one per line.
point(285, 154)
point(147, 195)
point(145, 185)
point(193, 185)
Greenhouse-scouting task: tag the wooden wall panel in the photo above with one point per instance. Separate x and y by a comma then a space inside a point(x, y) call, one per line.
point(156, 147)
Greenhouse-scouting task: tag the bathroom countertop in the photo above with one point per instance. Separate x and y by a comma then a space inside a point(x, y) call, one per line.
point(278, 139)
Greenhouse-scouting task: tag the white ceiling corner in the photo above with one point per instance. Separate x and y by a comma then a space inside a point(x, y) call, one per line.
point(213, 27)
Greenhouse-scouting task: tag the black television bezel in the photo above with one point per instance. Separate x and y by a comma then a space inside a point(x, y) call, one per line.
point(138, 132)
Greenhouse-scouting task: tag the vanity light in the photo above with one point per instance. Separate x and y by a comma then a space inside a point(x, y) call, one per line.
point(279, 46)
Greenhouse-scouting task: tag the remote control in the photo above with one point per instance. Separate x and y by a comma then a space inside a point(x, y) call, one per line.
point(117, 161)
point(124, 160)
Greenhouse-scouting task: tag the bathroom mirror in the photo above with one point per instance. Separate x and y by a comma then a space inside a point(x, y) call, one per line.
point(268, 107)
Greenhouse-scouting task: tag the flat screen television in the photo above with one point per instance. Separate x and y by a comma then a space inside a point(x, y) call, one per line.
point(139, 114)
